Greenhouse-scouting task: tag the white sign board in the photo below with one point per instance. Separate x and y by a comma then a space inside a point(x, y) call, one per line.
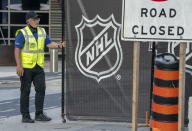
point(157, 20)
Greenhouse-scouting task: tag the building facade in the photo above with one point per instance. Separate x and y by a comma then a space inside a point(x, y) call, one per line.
point(12, 18)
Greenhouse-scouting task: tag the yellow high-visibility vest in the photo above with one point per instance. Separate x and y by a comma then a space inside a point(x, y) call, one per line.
point(32, 52)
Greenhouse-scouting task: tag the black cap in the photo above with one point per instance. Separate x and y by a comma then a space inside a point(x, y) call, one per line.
point(31, 15)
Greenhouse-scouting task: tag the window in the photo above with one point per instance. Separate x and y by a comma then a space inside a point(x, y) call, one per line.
point(12, 17)
point(3, 4)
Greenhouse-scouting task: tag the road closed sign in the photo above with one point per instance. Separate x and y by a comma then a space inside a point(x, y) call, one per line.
point(157, 20)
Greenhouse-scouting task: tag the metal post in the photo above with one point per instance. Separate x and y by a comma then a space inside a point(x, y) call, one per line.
point(53, 60)
point(152, 73)
point(9, 22)
point(63, 85)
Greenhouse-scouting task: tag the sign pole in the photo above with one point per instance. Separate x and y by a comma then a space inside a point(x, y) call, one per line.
point(182, 53)
point(136, 54)
point(63, 96)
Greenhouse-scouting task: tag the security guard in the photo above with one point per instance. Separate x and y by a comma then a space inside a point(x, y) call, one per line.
point(29, 55)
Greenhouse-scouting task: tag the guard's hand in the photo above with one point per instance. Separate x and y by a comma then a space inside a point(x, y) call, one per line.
point(62, 44)
point(19, 70)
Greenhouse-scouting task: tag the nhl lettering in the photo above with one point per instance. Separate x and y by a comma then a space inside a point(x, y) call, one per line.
point(98, 48)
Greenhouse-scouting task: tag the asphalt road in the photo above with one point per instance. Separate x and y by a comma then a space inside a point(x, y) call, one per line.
point(10, 92)
point(10, 118)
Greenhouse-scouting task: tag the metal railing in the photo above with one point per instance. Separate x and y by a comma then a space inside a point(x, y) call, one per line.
point(8, 38)
point(3, 38)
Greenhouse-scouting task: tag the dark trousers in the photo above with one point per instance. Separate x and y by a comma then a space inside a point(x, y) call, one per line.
point(37, 76)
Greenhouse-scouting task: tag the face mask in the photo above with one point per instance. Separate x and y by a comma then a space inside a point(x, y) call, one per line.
point(32, 29)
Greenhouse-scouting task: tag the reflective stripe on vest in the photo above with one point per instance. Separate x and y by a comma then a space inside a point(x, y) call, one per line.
point(33, 51)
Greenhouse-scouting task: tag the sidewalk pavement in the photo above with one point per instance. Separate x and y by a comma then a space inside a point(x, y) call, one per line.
point(13, 123)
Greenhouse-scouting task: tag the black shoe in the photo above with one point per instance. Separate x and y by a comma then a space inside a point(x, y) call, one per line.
point(42, 117)
point(27, 119)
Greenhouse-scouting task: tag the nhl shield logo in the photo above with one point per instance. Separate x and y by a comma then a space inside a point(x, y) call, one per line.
point(173, 47)
point(98, 53)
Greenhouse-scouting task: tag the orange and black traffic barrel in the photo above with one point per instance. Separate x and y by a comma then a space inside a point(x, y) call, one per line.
point(164, 106)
